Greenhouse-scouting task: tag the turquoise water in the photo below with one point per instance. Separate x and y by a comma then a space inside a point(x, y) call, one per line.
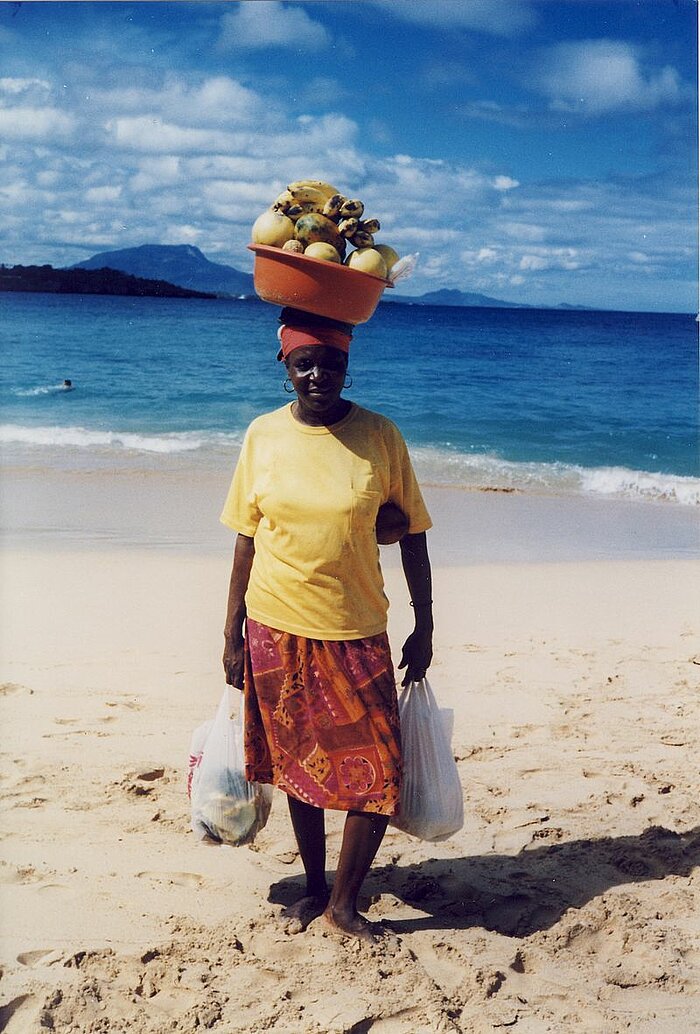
point(548, 401)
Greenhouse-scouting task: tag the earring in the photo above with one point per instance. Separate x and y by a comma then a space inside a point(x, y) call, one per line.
point(348, 382)
point(287, 385)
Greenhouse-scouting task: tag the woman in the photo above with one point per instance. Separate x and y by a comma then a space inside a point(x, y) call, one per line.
point(316, 487)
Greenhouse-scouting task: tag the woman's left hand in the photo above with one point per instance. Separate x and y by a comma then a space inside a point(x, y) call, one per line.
point(416, 655)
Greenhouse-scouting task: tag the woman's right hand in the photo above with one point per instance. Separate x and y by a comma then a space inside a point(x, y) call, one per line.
point(235, 612)
point(233, 662)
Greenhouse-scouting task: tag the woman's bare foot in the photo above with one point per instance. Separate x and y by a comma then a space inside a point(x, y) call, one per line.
point(352, 924)
point(298, 915)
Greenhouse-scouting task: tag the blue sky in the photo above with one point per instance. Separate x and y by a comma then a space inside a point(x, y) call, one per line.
point(541, 151)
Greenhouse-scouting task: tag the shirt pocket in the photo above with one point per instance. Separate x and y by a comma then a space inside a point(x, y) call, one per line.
point(365, 505)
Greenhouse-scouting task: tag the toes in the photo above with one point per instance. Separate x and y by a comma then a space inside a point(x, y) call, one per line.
point(298, 915)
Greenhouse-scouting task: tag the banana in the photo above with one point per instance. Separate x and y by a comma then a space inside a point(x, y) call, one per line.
point(282, 202)
point(299, 208)
point(299, 190)
point(352, 209)
point(316, 213)
point(303, 195)
point(348, 227)
point(361, 239)
point(333, 205)
point(370, 226)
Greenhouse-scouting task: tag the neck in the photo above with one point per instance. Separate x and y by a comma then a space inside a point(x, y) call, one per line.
point(329, 416)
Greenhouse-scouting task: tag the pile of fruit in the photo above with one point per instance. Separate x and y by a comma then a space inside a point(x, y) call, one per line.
point(312, 218)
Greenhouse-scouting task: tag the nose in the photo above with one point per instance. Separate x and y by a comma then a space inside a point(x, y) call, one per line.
point(318, 373)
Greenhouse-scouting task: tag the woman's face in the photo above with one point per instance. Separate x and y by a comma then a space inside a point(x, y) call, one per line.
point(317, 373)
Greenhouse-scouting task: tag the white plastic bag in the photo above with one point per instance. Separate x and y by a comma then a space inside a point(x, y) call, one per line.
point(199, 738)
point(225, 806)
point(431, 804)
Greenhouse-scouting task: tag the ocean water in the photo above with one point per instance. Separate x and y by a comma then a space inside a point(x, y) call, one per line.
point(544, 401)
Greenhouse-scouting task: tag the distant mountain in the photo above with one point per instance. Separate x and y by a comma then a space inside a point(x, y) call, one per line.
point(48, 280)
point(180, 264)
point(187, 266)
point(452, 297)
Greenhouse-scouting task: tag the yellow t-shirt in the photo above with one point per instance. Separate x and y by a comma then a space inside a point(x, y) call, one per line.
point(309, 496)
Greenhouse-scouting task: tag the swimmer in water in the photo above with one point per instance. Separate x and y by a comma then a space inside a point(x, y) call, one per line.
point(68, 385)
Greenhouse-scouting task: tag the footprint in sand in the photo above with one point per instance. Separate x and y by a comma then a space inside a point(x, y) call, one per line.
point(8, 689)
point(177, 879)
point(21, 874)
point(444, 964)
point(47, 956)
point(129, 705)
point(137, 783)
point(151, 775)
point(54, 888)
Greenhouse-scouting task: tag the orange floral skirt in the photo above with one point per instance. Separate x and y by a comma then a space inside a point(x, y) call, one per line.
point(321, 719)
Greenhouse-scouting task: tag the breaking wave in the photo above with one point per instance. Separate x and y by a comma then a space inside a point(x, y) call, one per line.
point(434, 466)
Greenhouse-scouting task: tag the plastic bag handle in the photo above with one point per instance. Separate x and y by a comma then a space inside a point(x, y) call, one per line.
point(421, 690)
point(421, 685)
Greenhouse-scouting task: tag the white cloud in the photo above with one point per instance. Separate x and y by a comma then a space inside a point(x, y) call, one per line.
point(475, 258)
point(531, 262)
point(218, 100)
point(320, 89)
point(153, 135)
point(487, 255)
point(48, 177)
point(17, 86)
point(157, 172)
point(522, 231)
point(600, 76)
point(100, 195)
point(35, 124)
point(495, 17)
point(550, 258)
point(505, 183)
point(182, 233)
point(258, 24)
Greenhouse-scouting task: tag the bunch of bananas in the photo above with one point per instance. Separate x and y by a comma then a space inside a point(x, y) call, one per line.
point(313, 218)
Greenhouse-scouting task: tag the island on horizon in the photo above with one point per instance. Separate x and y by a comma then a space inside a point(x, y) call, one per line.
point(46, 279)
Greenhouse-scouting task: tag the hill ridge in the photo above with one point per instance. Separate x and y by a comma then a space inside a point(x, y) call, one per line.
point(186, 265)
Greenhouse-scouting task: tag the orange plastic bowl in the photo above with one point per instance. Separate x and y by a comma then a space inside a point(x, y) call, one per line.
point(314, 285)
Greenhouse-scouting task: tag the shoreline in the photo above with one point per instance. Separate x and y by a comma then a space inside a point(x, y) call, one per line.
point(74, 450)
point(176, 510)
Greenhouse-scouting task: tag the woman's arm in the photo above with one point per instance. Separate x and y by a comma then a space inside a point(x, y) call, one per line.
point(235, 612)
point(418, 648)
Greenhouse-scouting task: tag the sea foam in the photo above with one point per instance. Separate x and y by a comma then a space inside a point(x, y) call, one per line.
point(489, 472)
point(46, 389)
point(434, 466)
point(83, 438)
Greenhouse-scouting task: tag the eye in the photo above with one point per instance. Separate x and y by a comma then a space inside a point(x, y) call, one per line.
point(332, 365)
point(303, 365)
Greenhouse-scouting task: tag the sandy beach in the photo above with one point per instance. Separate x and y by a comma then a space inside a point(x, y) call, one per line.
point(567, 644)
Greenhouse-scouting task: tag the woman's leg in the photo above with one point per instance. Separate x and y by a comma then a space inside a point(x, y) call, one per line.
point(362, 836)
point(308, 823)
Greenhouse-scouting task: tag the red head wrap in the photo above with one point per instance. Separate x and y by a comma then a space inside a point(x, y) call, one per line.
point(302, 328)
point(296, 337)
